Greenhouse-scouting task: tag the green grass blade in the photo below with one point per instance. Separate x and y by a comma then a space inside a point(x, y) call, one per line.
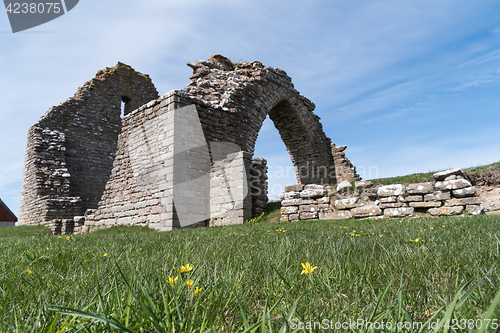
point(489, 313)
point(84, 314)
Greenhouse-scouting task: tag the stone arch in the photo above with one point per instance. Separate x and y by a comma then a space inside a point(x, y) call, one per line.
point(81, 155)
point(246, 93)
point(71, 148)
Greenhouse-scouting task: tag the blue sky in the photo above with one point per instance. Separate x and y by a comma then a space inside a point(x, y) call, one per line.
point(409, 86)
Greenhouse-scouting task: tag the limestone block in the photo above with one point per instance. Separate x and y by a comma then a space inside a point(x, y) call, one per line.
point(462, 201)
point(391, 190)
point(426, 204)
point(284, 218)
point(362, 201)
point(291, 202)
point(464, 192)
point(289, 210)
point(436, 196)
point(314, 187)
point(313, 193)
point(124, 221)
point(308, 208)
point(474, 209)
point(366, 211)
point(371, 192)
point(493, 212)
point(387, 199)
point(335, 215)
point(411, 198)
point(323, 200)
point(308, 215)
point(399, 212)
point(420, 188)
point(491, 206)
point(392, 205)
point(346, 203)
point(293, 217)
point(308, 202)
point(294, 188)
point(452, 184)
point(289, 195)
point(344, 186)
point(363, 184)
point(446, 211)
point(154, 218)
point(444, 174)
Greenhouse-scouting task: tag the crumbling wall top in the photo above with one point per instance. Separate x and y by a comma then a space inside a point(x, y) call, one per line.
point(223, 83)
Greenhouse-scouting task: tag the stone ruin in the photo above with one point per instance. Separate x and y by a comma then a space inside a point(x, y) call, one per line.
point(449, 193)
point(185, 158)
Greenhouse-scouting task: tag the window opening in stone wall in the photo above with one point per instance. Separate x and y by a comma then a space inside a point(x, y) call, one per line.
point(280, 169)
point(124, 104)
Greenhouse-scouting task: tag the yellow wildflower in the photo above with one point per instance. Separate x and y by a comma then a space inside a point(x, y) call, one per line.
point(105, 254)
point(416, 240)
point(186, 268)
point(189, 283)
point(197, 290)
point(443, 226)
point(171, 279)
point(30, 272)
point(59, 237)
point(307, 268)
point(67, 238)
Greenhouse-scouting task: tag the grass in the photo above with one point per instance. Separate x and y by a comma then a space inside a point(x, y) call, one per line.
point(425, 177)
point(249, 276)
point(485, 168)
point(23, 231)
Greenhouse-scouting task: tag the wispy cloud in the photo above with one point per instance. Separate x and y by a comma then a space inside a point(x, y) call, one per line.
point(389, 116)
point(477, 79)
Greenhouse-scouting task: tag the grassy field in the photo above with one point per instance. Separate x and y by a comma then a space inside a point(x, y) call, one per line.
point(424, 177)
point(248, 277)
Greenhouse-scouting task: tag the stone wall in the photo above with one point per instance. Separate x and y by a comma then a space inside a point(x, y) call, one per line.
point(71, 148)
point(258, 185)
point(344, 169)
point(139, 191)
point(450, 194)
point(166, 173)
point(239, 96)
point(162, 163)
point(230, 196)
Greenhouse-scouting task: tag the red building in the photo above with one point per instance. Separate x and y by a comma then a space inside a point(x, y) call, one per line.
point(6, 214)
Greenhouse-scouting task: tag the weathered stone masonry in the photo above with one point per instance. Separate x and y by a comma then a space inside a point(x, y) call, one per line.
point(71, 148)
point(121, 172)
point(449, 194)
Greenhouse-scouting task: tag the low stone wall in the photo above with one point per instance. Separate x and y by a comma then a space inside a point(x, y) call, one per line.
point(449, 194)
